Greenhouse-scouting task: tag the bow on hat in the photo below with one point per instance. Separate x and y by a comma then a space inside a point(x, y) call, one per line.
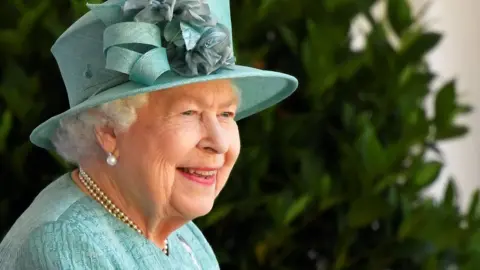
point(196, 44)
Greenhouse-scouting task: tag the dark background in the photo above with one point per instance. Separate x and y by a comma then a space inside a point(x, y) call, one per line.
point(326, 180)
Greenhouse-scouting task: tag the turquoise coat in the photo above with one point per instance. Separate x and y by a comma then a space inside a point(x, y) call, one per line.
point(66, 229)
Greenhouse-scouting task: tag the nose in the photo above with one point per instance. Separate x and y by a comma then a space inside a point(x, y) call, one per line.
point(216, 137)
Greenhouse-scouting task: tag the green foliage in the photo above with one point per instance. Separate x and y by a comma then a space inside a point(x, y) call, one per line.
point(330, 179)
point(333, 177)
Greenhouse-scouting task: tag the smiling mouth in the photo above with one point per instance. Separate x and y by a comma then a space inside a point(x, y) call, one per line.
point(202, 176)
point(199, 173)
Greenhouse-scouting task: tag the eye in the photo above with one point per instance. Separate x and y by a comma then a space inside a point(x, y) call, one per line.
point(227, 114)
point(189, 112)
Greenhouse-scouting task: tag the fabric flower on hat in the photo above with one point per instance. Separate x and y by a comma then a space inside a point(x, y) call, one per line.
point(197, 44)
point(147, 38)
point(151, 11)
point(195, 12)
point(212, 51)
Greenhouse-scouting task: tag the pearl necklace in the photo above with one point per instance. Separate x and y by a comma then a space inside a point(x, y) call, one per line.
point(102, 198)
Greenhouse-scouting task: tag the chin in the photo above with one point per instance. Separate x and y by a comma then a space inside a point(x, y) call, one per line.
point(194, 208)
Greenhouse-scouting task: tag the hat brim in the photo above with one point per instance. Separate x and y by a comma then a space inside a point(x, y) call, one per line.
point(259, 89)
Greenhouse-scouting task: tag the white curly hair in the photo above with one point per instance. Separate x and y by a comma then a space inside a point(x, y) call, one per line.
point(75, 138)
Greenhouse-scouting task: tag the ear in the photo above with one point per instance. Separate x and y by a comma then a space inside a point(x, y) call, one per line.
point(106, 139)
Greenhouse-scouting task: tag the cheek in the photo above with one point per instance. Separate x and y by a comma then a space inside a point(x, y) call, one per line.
point(172, 141)
point(230, 159)
point(235, 145)
point(157, 151)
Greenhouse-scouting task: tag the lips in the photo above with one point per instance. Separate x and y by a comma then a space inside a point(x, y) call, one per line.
point(204, 176)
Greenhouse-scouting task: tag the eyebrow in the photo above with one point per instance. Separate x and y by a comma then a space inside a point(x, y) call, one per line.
point(227, 103)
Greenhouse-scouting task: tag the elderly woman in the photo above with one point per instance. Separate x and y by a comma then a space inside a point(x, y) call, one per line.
point(155, 96)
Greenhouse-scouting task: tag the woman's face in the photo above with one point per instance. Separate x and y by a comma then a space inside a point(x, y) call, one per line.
point(177, 156)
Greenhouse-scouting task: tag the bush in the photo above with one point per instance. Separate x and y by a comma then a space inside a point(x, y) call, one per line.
point(330, 179)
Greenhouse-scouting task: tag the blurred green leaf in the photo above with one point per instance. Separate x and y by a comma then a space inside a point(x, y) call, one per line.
point(311, 171)
point(417, 49)
point(32, 17)
point(217, 214)
point(445, 105)
point(18, 159)
point(324, 186)
point(20, 5)
point(449, 198)
point(277, 207)
point(399, 15)
point(297, 208)
point(409, 225)
point(346, 238)
point(473, 209)
point(474, 245)
point(52, 23)
point(348, 116)
point(290, 38)
point(427, 174)
point(331, 201)
point(351, 68)
point(451, 132)
point(366, 210)
point(431, 263)
point(464, 108)
point(387, 182)
point(18, 90)
point(261, 250)
point(372, 153)
point(5, 127)
point(471, 264)
point(11, 42)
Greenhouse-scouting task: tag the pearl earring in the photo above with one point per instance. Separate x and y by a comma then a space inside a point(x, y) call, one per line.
point(111, 160)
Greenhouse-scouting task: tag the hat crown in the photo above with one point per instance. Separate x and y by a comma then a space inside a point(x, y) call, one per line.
point(82, 59)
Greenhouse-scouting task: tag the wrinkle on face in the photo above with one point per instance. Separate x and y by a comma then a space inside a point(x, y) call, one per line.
point(146, 183)
point(164, 139)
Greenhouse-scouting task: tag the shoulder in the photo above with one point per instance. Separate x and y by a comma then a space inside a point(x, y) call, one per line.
point(58, 231)
point(61, 245)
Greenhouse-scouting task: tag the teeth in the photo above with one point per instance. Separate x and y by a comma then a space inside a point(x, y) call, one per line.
point(202, 173)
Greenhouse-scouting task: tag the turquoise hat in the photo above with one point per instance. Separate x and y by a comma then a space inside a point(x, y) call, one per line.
point(125, 47)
